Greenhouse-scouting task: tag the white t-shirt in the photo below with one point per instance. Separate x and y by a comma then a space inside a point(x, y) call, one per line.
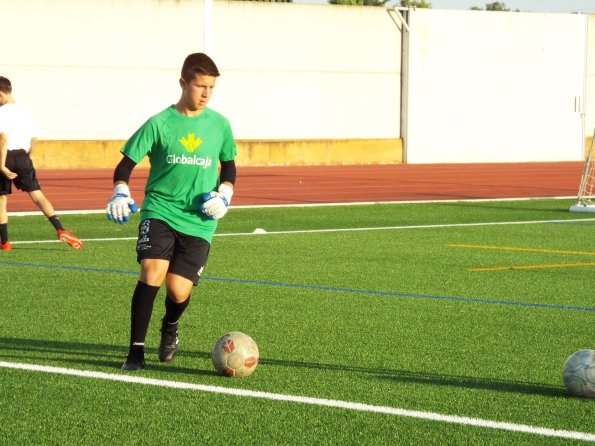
point(18, 125)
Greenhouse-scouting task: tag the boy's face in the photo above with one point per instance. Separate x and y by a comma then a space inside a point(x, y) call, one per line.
point(3, 98)
point(198, 91)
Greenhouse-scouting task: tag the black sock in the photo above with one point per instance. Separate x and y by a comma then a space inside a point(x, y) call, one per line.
point(56, 223)
point(3, 233)
point(140, 315)
point(174, 310)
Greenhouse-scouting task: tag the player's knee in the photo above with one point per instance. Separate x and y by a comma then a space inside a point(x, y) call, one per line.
point(37, 197)
point(150, 276)
point(178, 297)
point(178, 287)
point(153, 271)
point(178, 292)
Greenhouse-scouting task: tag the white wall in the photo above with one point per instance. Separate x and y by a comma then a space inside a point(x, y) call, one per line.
point(96, 69)
point(495, 87)
point(308, 71)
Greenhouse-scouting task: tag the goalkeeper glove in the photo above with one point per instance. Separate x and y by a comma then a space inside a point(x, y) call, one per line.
point(120, 204)
point(216, 203)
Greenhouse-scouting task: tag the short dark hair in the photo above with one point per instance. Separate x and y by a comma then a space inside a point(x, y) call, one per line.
point(198, 63)
point(5, 85)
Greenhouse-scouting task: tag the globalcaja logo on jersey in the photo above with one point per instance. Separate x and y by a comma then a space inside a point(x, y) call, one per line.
point(190, 143)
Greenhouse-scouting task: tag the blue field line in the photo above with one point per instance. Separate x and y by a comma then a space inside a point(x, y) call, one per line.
point(318, 287)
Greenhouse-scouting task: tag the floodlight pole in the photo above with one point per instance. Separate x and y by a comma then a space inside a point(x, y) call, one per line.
point(402, 22)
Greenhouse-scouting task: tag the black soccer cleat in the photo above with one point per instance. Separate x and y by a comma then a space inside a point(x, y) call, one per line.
point(168, 347)
point(134, 363)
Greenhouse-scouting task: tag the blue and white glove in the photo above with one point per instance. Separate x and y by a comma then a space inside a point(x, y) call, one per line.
point(120, 205)
point(216, 203)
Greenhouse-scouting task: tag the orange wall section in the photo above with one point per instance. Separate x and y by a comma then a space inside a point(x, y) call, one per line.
point(106, 154)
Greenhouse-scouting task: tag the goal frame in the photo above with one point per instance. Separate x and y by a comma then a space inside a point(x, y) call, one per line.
point(585, 201)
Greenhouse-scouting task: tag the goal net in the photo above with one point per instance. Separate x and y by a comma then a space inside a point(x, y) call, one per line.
point(586, 192)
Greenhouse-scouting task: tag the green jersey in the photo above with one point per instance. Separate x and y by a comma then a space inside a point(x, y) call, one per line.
point(184, 153)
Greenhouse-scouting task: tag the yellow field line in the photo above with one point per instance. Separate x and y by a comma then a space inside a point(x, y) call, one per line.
point(504, 268)
point(509, 248)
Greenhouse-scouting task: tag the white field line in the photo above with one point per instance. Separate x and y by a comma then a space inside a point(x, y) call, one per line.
point(355, 203)
point(361, 407)
point(311, 231)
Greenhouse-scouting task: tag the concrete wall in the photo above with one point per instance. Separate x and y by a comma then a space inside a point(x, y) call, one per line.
point(495, 87)
point(95, 69)
point(297, 71)
point(301, 84)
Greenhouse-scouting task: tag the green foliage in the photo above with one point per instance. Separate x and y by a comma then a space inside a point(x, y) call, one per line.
point(415, 4)
point(403, 3)
point(358, 2)
point(495, 6)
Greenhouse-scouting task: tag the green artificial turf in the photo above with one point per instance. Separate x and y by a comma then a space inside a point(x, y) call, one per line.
point(381, 305)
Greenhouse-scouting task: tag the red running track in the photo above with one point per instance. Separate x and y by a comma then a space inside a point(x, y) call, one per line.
point(90, 188)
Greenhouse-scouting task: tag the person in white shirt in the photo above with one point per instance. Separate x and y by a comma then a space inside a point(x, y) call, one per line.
point(18, 133)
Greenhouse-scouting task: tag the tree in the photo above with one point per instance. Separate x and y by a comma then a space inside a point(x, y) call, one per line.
point(415, 4)
point(404, 3)
point(358, 2)
point(496, 6)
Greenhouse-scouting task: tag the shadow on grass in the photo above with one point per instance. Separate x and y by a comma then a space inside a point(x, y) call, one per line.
point(432, 379)
point(75, 354)
point(556, 208)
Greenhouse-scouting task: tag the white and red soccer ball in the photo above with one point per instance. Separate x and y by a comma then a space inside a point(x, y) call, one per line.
point(235, 354)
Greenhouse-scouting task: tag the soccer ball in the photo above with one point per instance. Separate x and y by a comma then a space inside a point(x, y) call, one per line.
point(235, 354)
point(578, 373)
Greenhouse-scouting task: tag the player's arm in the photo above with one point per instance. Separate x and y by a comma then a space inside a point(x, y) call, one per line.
point(121, 203)
point(228, 173)
point(216, 203)
point(3, 152)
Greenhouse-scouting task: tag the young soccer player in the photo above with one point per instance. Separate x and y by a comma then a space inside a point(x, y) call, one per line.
point(184, 197)
point(18, 133)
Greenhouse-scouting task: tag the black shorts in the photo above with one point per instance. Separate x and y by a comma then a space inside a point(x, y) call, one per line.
point(20, 163)
point(187, 254)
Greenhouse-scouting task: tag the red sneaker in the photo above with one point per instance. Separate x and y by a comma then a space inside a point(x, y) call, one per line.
point(66, 236)
point(5, 246)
